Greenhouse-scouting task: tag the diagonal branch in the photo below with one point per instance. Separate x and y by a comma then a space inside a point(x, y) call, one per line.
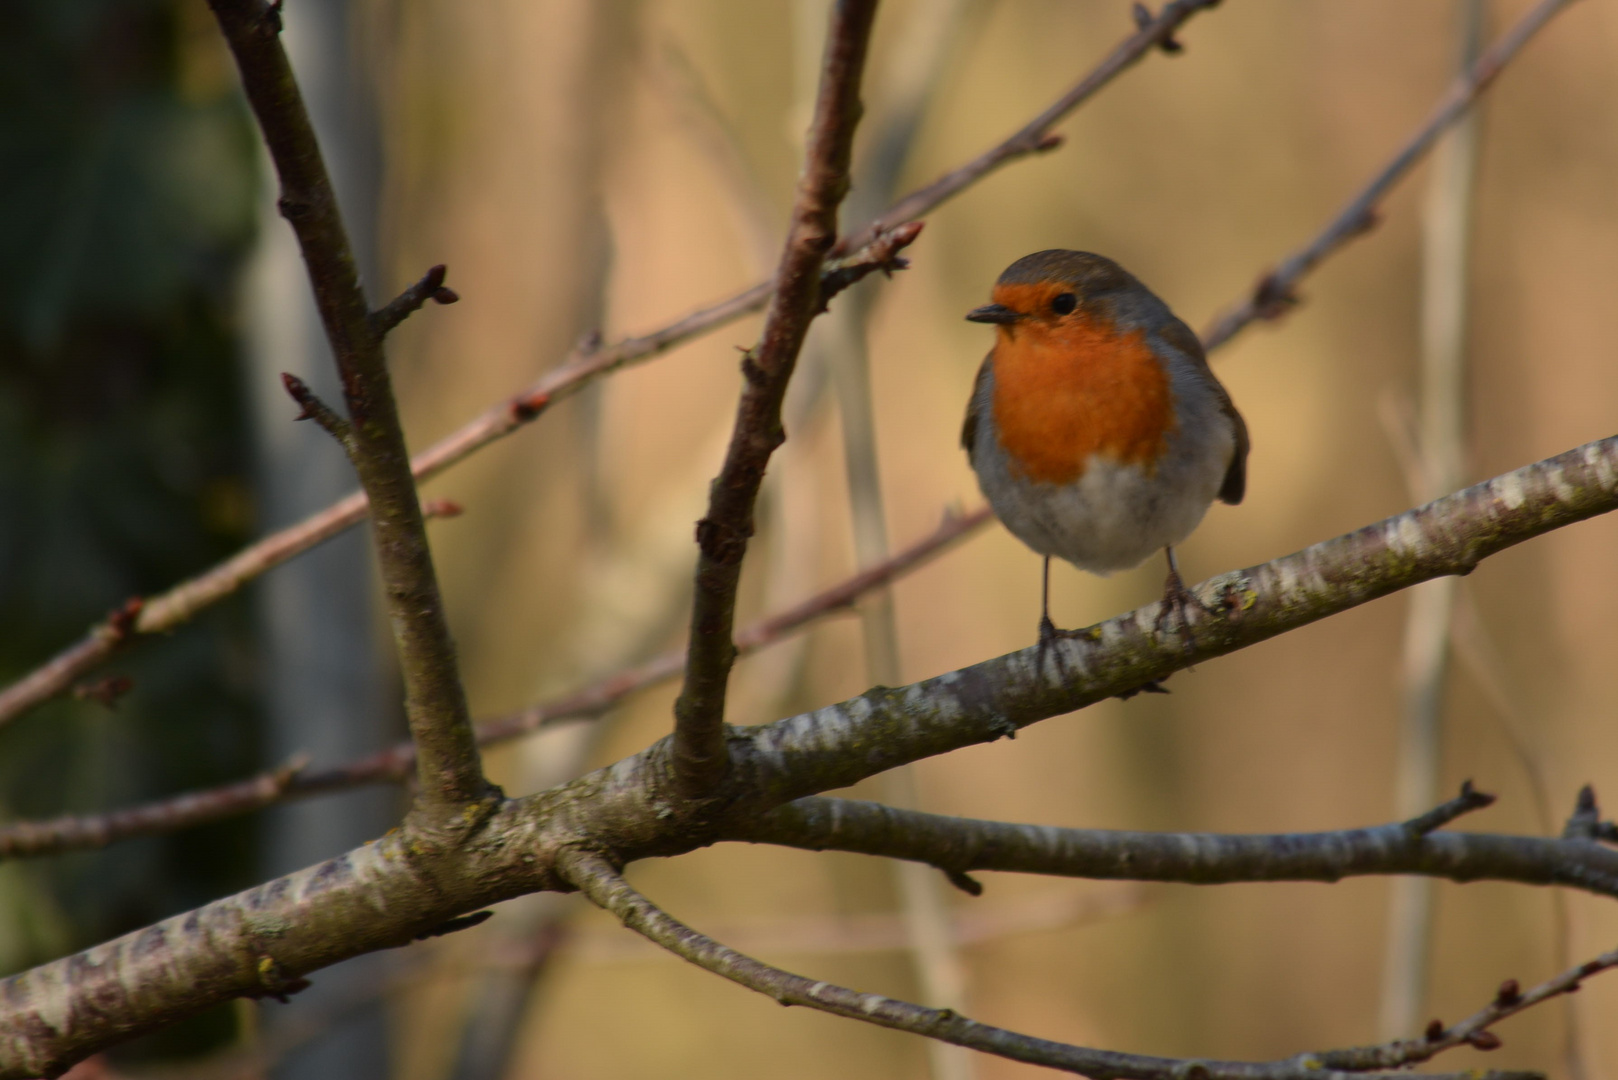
point(450, 771)
point(1035, 136)
point(722, 535)
point(587, 362)
point(1275, 292)
point(601, 882)
point(959, 846)
point(77, 833)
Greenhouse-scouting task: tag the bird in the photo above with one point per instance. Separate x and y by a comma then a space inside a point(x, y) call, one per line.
point(1097, 431)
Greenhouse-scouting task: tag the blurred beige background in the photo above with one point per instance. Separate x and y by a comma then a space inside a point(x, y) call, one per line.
point(584, 163)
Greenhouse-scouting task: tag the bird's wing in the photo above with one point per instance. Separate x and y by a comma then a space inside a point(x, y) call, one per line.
point(969, 427)
point(1179, 335)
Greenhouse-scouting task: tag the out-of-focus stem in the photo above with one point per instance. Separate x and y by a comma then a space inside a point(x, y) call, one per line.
point(913, 74)
point(1446, 247)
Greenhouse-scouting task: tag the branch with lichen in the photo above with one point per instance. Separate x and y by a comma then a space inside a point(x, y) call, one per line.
point(387, 893)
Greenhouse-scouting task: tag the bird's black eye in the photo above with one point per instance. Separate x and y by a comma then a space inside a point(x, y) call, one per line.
point(1064, 303)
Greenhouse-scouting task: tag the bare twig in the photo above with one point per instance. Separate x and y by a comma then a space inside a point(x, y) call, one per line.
point(959, 846)
point(1035, 136)
point(76, 832)
point(1274, 293)
point(401, 307)
point(601, 882)
point(700, 758)
point(393, 764)
point(448, 763)
point(586, 363)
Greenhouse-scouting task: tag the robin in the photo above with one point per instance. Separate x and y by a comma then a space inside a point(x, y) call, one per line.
point(1096, 428)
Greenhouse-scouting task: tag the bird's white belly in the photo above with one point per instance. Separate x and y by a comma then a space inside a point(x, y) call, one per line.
point(1113, 517)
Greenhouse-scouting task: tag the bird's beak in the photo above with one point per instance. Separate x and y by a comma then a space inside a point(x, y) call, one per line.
point(993, 313)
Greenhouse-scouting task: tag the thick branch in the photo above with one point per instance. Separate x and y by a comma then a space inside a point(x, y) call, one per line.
point(598, 880)
point(587, 362)
point(388, 892)
point(1275, 292)
point(723, 533)
point(435, 702)
point(961, 845)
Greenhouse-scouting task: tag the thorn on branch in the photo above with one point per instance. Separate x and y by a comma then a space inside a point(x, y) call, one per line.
point(882, 253)
point(318, 411)
point(1468, 800)
point(1273, 299)
point(106, 689)
point(1144, 19)
point(442, 508)
point(430, 287)
point(963, 881)
point(464, 922)
point(1585, 822)
point(121, 620)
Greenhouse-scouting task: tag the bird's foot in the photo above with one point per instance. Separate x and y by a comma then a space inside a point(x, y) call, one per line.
point(1176, 609)
point(1049, 635)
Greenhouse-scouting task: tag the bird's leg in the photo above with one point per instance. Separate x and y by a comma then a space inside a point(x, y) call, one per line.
point(1177, 599)
point(1047, 629)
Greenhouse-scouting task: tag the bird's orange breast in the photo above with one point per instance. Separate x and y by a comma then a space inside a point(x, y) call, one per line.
point(1066, 391)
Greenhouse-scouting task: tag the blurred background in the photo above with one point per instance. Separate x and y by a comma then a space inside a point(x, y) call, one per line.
point(608, 165)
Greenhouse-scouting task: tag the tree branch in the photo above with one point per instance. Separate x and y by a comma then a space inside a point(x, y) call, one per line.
point(28, 838)
point(597, 879)
point(435, 703)
point(1275, 292)
point(587, 362)
point(78, 832)
point(700, 759)
point(387, 892)
point(958, 846)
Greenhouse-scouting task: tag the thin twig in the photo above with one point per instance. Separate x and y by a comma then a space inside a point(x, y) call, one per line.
point(586, 363)
point(699, 754)
point(401, 307)
point(77, 832)
point(601, 882)
point(449, 767)
point(1035, 136)
point(1275, 292)
point(393, 764)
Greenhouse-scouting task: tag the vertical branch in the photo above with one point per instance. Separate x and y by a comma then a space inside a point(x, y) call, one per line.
point(700, 758)
point(435, 702)
point(1441, 453)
